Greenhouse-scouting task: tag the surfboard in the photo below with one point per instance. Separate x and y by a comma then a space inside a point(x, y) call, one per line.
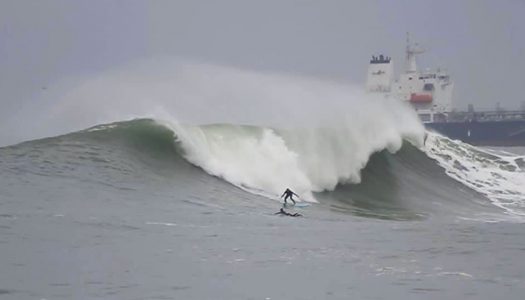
point(298, 204)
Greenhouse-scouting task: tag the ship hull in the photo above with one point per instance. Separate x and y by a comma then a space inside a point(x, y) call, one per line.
point(483, 133)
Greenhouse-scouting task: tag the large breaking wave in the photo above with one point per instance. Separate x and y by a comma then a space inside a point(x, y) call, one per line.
point(327, 141)
point(307, 160)
point(265, 160)
point(395, 176)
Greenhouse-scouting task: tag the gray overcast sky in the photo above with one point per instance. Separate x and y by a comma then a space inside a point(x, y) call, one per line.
point(481, 43)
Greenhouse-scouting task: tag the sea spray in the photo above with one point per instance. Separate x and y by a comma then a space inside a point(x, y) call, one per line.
point(198, 93)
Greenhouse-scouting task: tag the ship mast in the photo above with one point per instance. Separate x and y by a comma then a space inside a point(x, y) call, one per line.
point(411, 52)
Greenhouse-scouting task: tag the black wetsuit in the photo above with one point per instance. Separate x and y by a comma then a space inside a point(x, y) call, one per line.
point(288, 194)
point(283, 212)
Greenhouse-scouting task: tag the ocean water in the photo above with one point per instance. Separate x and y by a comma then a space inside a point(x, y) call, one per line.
point(148, 209)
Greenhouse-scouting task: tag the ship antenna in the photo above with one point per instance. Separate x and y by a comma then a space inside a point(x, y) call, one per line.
point(408, 46)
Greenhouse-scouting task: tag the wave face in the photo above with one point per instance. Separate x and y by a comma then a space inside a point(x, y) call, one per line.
point(364, 171)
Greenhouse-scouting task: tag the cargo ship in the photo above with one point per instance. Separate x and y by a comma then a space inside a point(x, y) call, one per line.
point(430, 94)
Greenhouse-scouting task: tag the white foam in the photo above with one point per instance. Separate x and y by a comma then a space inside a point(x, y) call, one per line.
point(101, 127)
point(493, 174)
point(265, 161)
point(462, 274)
point(161, 223)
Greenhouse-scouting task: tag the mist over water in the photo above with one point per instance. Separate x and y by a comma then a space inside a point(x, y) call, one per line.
point(193, 93)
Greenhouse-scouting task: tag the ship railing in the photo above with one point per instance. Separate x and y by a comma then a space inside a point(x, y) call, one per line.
point(487, 116)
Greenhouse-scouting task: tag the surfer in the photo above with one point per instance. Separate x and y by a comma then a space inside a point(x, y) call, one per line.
point(283, 212)
point(288, 194)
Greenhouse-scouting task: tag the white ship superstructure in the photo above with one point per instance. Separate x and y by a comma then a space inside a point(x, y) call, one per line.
point(429, 92)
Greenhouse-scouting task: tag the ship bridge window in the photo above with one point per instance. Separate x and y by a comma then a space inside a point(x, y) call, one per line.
point(424, 117)
point(440, 118)
point(428, 87)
